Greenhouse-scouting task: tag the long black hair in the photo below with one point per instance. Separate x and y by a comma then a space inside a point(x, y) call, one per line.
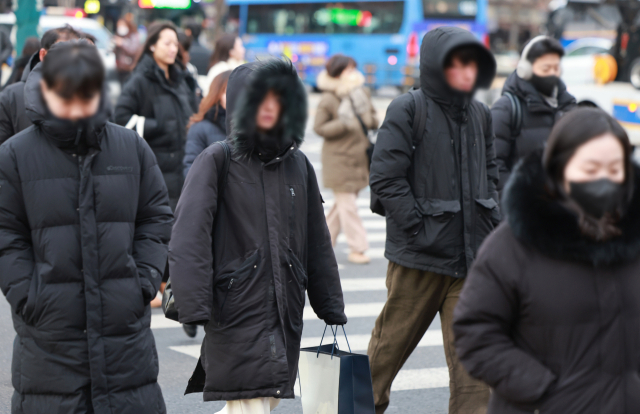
point(572, 131)
point(153, 35)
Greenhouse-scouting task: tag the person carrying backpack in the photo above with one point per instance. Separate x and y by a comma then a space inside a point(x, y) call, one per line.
point(533, 99)
point(437, 187)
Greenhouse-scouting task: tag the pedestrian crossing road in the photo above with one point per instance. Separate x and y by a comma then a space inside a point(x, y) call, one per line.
point(421, 386)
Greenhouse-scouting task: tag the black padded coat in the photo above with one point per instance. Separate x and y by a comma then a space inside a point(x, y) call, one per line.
point(548, 318)
point(84, 230)
point(246, 282)
point(166, 106)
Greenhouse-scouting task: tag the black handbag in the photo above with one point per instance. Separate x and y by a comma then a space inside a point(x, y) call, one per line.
point(168, 300)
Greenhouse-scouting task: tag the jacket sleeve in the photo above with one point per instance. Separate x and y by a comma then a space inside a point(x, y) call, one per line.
point(129, 104)
point(483, 321)
point(326, 125)
point(153, 224)
point(492, 166)
point(324, 288)
point(196, 143)
point(6, 126)
point(501, 114)
point(17, 262)
point(392, 157)
point(191, 246)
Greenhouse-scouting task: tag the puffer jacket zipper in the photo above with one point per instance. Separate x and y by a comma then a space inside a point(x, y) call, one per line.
point(224, 300)
point(292, 215)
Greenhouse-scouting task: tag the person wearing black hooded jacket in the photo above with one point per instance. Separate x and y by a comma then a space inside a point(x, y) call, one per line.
point(550, 312)
point(79, 263)
point(246, 280)
point(157, 101)
point(440, 198)
point(542, 98)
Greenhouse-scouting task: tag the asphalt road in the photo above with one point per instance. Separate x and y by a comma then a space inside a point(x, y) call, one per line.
point(421, 386)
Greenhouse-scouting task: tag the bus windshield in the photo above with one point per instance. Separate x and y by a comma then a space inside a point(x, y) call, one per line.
point(360, 17)
point(450, 8)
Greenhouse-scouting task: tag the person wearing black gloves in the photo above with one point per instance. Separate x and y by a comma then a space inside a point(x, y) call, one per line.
point(550, 312)
point(533, 99)
point(246, 280)
point(84, 228)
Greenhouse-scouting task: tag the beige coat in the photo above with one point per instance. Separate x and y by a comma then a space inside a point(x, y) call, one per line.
point(345, 166)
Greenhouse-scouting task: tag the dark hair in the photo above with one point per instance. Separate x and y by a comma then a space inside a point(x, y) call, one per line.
point(87, 36)
point(196, 29)
point(31, 46)
point(543, 47)
point(59, 34)
point(153, 35)
point(465, 54)
point(576, 128)
point(217, 87)
point(222, 48)
point(338, 63)
point(184, 40)
point(74, 68)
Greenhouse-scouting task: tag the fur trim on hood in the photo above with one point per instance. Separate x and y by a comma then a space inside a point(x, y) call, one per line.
point(281, 77)
point(341, 86)
point(545, 224)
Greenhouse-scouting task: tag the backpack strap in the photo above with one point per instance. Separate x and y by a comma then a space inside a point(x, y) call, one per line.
point(516, 113)
point(224, 171)
point(419, 116)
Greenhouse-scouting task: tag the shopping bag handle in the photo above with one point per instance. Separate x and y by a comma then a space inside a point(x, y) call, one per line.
point(335, 340)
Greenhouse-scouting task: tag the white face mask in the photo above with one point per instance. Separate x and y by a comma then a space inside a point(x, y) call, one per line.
point(122, 30)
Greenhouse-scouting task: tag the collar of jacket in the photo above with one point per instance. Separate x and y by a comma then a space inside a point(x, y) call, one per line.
point(272, 75)
point(436, 46)
point(545, 224)
point(150, 68)
point(341, 86)
point(284, 155)
point(533, 99)
point(33, 61)
point(217, 115)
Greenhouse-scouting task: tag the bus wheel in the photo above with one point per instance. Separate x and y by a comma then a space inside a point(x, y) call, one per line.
point(634, 73)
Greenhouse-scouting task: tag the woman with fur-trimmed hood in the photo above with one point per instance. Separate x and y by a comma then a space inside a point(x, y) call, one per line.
point(550, 311)
point(343, 116)
point(246, 282)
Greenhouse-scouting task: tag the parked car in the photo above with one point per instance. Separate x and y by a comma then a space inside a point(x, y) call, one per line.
point(580, 58)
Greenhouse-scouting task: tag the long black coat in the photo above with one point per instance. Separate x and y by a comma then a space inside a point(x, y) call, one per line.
point(13, 116)
point(166, 106)
point(549, 319)
point(247, 281)
point(440, 197)
point(538, 118)
point(79, 263)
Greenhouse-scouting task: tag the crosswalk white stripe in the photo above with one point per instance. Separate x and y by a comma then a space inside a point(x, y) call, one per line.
point(419, 379)
point(374, 224)
point(374, 253)
point(359, 343)
point(371, 237)
point(355, 310)
point(363, 284)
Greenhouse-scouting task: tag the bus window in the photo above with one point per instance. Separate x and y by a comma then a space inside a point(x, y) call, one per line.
point(232, 24)
point(450, 8)
point(361, 17)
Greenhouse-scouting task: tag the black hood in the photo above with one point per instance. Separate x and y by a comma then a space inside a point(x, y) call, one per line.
point(532, 98)
point(64, 133)
point(237, 82)
point(436, 46)
point(275, 75)
point(33, 61)
point(151, 70)
point(542, 222)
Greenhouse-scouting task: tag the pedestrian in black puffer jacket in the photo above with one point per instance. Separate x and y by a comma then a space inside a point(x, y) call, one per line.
point(246, 283)
point(550, 312)
point(84, 227)
point(166, 102)
point(539, 111)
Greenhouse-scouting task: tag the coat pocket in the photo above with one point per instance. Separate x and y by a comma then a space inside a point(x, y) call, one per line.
point(229, 285)
point(486, 220)
point(442, 230)
point(296, 283)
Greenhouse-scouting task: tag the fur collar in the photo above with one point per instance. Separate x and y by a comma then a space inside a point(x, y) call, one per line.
point(281, 77)
point(546, 225)
point(341, 86)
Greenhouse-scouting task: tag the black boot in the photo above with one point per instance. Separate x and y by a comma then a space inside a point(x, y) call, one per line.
point(190, 330)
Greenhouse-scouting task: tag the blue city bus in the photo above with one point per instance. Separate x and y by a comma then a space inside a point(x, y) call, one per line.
point(383, 36)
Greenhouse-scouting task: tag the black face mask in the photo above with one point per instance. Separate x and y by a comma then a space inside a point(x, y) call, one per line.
point(545, 84)
point(597, 197)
